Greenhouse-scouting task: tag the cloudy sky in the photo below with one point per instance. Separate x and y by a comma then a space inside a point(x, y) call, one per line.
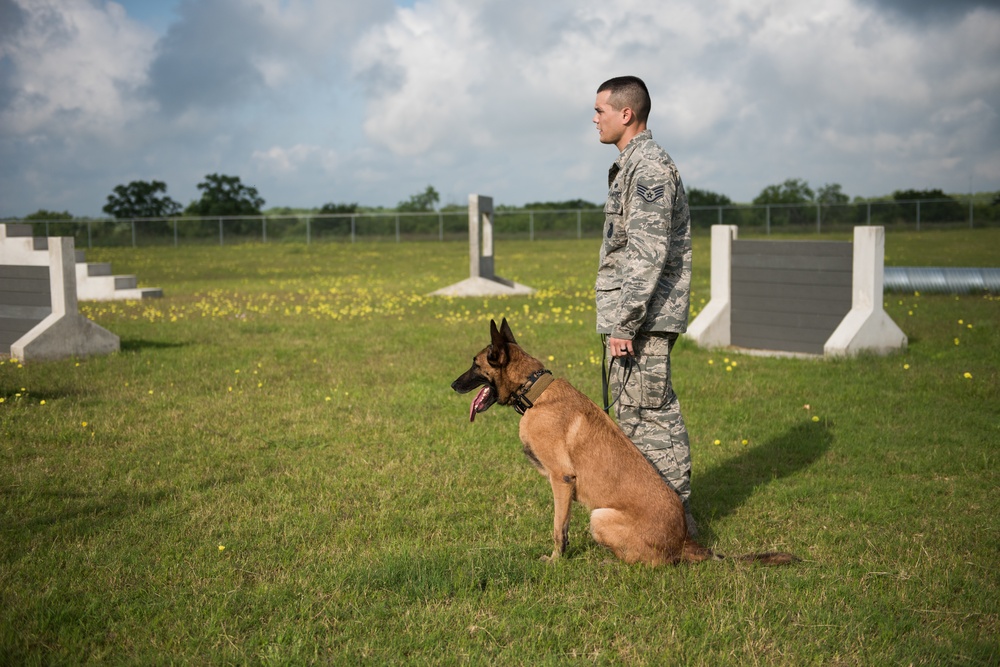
point(315, 101)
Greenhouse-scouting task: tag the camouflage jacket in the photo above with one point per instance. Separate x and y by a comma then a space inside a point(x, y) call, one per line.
point(644, 276)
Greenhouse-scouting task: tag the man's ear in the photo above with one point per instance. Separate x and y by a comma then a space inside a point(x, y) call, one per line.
point(497, 355)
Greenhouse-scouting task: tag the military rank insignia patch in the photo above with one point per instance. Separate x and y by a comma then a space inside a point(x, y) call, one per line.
point(650, 194)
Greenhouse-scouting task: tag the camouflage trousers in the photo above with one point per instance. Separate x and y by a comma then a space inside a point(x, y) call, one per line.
point(649, 412)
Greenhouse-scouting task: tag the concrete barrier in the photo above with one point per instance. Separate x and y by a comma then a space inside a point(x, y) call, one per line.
point(797, 297)
point(39, 319)
point(482, 280)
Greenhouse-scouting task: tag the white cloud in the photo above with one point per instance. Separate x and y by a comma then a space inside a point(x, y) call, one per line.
point(76, 67)
point(369, 102)
point(424, 71)
point(279, 160)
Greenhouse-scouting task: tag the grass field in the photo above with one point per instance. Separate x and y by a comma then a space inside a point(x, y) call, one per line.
point(274, 470)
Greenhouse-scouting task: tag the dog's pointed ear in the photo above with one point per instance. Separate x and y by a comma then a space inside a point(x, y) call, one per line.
point(498, 349)
point(506, 332)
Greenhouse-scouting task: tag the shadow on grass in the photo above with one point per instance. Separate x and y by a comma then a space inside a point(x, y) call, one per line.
point(140, 344)
point(721, 490)
point(71, 515)
point(66, 515)
point(442, 574)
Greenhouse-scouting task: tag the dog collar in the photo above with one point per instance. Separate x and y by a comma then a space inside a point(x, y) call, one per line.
point(531, 390)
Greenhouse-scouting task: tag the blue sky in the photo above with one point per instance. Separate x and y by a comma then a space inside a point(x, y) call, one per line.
point(339, 101)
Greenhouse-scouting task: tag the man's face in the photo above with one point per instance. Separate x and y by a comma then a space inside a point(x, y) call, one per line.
point(610, 122)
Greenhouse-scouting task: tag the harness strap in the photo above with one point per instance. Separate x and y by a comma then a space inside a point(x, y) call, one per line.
point(531, 390)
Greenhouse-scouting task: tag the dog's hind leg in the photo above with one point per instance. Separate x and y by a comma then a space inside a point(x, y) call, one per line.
point(617, 531)
point(608, 528)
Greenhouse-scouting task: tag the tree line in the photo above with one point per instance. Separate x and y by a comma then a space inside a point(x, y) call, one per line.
point(223, 195)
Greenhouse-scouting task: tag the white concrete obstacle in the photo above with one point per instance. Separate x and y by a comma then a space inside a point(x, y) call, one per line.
point(713, 325)
point(95, 282)
point(808, 296)
point(39, 318)
point(482, 280)
point(867, 327)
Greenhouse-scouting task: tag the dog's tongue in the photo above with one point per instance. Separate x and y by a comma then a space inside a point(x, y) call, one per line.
point(477, 403)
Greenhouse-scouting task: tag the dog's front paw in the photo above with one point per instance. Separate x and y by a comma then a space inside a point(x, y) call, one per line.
point(554, 557)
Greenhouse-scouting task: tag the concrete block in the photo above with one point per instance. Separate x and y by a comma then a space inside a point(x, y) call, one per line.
point(713, 326)
point(63, 332)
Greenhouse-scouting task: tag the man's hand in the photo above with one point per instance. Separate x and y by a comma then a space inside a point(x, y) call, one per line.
point(620, 347)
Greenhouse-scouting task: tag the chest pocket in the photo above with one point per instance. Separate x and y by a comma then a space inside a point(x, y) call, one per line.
point(614, 220)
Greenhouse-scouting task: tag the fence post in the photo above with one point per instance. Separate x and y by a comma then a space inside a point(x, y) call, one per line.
point(818, 223)
point(918, 215)
point(579, 226)
point(720, 215)
point(175, 232)
point(869, 213)
point(220, 232)
point(308, 223)
point(133, 233)
point(353, 230)
point(263, 229)
point(767, 223)
point(90, 242)
point(440, 226)
point(531, 225)
point(397, 228)
point(970, 211)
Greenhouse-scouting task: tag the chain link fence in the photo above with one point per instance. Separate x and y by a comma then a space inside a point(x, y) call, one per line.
point(509, 223)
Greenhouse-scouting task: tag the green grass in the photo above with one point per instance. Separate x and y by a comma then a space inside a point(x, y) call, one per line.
point(274, 470)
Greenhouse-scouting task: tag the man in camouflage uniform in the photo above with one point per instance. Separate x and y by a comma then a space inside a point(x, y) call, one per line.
point(644, 281)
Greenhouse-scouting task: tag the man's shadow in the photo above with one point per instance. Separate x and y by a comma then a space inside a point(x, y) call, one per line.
point(723, 488)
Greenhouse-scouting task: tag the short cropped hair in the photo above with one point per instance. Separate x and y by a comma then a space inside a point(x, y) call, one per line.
point(628, 91)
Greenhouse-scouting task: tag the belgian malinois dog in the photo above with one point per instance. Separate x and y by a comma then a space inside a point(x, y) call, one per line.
point(586, 458)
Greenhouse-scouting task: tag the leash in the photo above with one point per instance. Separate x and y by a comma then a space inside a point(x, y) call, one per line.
point(606, 375)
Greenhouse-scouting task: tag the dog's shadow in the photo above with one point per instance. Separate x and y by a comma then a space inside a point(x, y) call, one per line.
point(719, 491)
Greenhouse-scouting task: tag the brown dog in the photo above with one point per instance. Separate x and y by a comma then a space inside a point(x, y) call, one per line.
point(587, 458)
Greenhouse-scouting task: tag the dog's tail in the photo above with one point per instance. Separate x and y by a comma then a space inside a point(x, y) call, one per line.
point(695, 553)
point(769, 558)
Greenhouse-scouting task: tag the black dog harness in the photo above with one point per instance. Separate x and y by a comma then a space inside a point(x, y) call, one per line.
point(531, 390)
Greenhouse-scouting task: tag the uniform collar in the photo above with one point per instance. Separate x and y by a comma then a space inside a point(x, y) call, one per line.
point(626, 154)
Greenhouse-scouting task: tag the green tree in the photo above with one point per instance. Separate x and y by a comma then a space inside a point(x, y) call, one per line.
point(223, 195)
point(140, 199)
point(940, 207)
point(699, 197)
point(831, 194)
point(60, 220)
point(331, 208)
point(791, 199)
point(42, 215)
point(421, 202)
point(792, 191)
point(568, 205)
